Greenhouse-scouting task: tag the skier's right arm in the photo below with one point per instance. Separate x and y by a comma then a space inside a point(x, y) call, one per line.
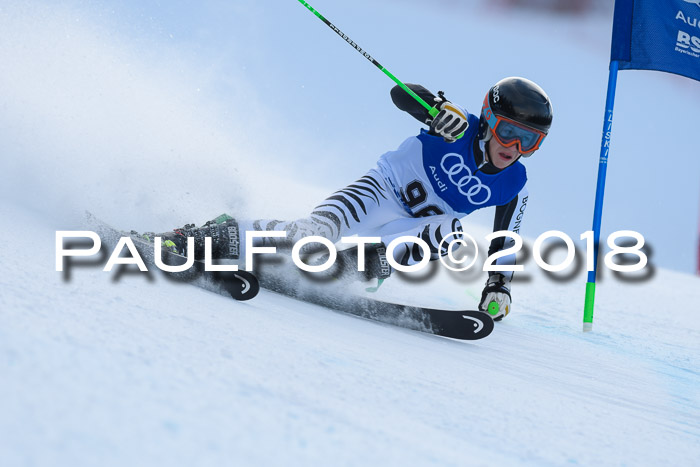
point(449, 123)
point(407, 103)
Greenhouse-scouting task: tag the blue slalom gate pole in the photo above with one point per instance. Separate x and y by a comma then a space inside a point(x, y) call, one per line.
point(600, 192)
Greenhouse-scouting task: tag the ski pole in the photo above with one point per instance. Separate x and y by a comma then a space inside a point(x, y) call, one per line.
point(432, 110)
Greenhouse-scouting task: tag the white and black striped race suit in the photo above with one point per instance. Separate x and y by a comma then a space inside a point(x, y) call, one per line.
point(421, 189)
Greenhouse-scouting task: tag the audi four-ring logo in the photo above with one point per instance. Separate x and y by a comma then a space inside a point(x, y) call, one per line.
point(461, 176)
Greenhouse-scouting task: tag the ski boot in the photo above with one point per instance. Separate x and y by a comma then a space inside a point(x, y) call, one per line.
point(224, 233)
point(346, 265)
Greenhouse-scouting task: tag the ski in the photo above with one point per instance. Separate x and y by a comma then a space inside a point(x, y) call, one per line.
point(277, 275)
point(455, 324)
point(240, 285)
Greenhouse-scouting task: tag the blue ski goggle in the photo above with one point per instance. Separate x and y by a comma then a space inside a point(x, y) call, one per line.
point(509, 132)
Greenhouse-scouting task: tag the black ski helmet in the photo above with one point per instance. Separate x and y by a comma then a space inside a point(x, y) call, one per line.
point(518, 99)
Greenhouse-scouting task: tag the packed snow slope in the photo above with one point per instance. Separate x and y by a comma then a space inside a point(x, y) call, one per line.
point(103, 369)
point(151, 116)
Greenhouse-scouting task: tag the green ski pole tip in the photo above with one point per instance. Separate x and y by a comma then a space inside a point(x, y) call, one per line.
point(493, 308)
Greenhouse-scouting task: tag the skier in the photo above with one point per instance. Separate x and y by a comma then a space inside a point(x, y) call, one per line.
point(462, 163)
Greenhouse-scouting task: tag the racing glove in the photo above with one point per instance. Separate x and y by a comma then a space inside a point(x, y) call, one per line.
point(495, 298)
point(450, 122)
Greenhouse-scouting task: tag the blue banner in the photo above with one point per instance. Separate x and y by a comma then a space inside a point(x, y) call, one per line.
point(661, 35)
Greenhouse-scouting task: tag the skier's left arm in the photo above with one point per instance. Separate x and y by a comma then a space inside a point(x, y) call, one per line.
point(508, 217)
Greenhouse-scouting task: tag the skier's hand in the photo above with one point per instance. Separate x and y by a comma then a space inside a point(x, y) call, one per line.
point(495, 298)
point(450, 122)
